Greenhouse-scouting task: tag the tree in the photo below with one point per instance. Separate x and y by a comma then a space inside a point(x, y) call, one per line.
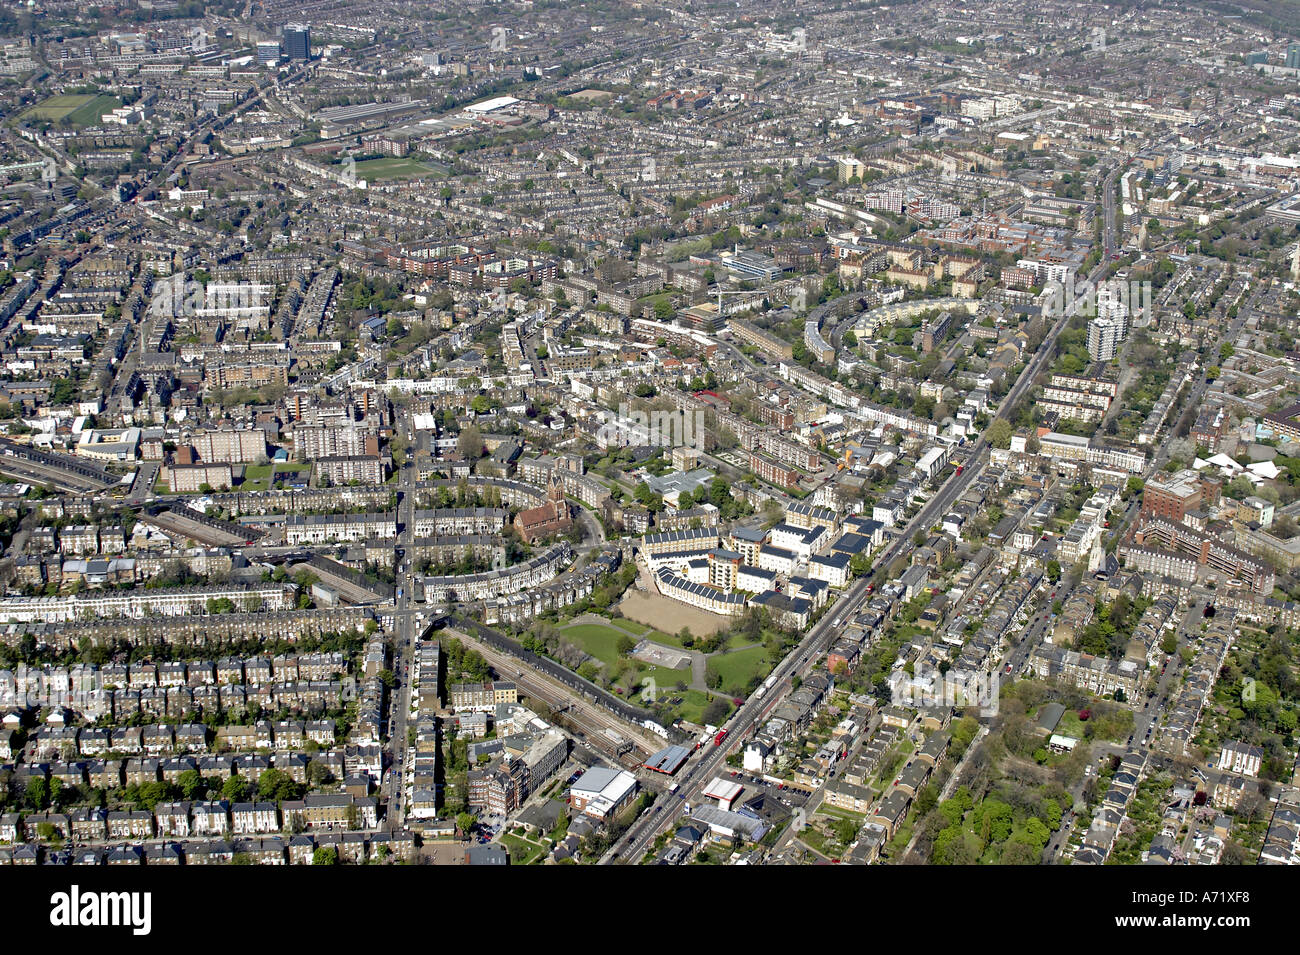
point(470, 443)
point(191, 783)
point(465, 822)
point(1239, 487)
point(275, 785)
point(652, 501)
point(712, 677)
point(859, 565)
point(63, 391)
point(234, 789)
point(318, 773)
point(999, 433)
point(37, 792)
point(716, 712)
point(325, 855)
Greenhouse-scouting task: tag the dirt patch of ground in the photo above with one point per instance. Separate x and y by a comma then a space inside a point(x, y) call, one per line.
point(443, 853)
point(668, 615)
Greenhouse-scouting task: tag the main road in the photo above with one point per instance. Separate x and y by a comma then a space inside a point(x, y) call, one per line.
point(408, 627)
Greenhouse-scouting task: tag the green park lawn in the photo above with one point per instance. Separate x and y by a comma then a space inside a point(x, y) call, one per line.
point(1070, 725)
point(630, 627)
point(693, 703)
point(257, 477)
point(598, 640)
point(535, 851)
point(739, 667)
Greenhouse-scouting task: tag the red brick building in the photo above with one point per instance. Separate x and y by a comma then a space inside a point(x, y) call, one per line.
point(1177, 495)
point(545, 520)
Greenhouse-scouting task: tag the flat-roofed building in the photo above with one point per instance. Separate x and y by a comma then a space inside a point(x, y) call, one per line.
point(602, 792)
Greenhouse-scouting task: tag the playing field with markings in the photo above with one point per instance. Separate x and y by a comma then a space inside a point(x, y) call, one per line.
point(373, 170)
point(80, 109)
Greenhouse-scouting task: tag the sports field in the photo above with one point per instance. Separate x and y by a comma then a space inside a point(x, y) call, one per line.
point(81, 109)
point(373, 170)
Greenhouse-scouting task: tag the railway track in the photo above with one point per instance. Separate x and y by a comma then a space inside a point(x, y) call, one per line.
point(590, 720)
point(60, 479)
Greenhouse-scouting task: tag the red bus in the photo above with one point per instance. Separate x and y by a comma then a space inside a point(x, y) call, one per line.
point(717, 740)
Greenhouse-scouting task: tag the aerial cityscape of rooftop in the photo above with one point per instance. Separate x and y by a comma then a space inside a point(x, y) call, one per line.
point(649, 432)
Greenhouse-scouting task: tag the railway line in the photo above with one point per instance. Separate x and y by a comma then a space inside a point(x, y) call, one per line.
point(59, 478)
point(590, 720)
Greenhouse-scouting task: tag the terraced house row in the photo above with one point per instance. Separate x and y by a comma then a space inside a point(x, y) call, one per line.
point(136, 605)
